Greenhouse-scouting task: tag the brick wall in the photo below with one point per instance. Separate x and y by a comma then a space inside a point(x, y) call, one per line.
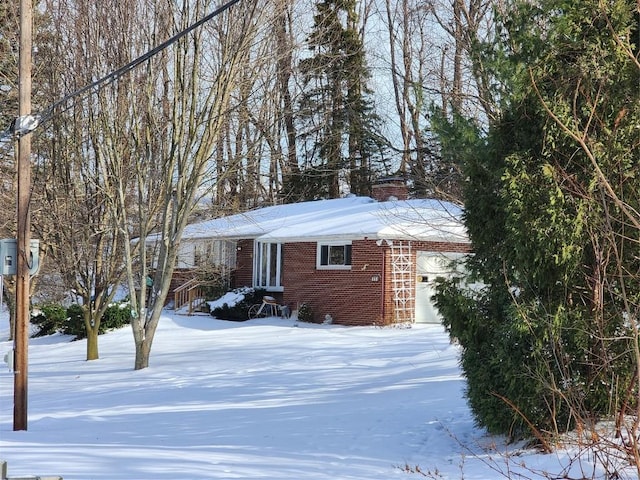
point(360, 296)
point(243, 274)
point(351, 297)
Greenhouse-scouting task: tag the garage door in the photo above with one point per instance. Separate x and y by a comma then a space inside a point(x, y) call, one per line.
point(429, 266)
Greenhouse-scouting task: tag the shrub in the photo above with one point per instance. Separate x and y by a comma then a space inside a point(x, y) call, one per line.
point(116, 316)
point(239, 311)
point(305, 313)
point(48, 319)
point(53, 318)
point(531, 369)
point(74, 324)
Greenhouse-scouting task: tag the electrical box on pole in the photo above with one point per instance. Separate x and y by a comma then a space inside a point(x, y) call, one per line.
point(9, 257)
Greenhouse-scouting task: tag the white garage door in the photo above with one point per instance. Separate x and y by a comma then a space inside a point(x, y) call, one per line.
point(429, 266)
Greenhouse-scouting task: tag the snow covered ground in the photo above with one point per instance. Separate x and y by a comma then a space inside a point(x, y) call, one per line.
point(263, 399)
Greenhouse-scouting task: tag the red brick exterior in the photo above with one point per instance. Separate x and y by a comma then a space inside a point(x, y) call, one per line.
point(360, 296)
point(243, 274)
point(351, 297)
point(390, 189)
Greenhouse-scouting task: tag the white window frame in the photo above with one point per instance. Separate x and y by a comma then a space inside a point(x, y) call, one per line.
point(320, 266)
point(263, 277)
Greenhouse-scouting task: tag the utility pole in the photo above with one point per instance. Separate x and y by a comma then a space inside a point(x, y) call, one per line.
point(21, 342)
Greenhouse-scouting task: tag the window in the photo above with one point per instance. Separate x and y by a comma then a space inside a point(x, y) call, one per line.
point(267, 268)
point(334, 256)
point(219, 253)
point(194, 253)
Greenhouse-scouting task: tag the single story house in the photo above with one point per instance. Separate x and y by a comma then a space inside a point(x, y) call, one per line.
point(354, 260)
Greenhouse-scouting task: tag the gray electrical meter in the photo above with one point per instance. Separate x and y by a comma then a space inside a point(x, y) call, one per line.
point(9, 256)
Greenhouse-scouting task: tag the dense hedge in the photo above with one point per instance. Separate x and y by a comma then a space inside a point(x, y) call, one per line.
point(54, 318)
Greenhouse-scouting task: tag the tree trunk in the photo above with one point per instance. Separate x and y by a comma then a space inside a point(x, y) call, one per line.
point(459, 40)
point(12, 320)
point(92, 344)
point(285, 69)
point(143, 350)
point(92, 327)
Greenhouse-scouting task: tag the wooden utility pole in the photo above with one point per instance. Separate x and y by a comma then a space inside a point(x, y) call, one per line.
point(21, 341)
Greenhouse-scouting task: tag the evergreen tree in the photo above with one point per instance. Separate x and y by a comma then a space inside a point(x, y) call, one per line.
point(339, 124)
point(551, 205)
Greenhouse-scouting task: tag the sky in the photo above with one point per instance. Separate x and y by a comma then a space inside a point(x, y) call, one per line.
point(269, 399)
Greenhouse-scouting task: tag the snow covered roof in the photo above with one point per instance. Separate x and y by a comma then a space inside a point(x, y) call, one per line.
point(349, 218)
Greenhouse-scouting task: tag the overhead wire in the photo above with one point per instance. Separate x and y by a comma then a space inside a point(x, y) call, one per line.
point(116, 74)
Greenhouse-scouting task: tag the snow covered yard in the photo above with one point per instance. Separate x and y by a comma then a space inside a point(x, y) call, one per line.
point(263, 399)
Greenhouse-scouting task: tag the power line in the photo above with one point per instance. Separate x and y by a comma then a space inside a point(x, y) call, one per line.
point(109, 78)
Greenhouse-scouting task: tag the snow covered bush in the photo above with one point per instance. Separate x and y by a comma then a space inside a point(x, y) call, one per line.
point(116, 316)
point(238, 309)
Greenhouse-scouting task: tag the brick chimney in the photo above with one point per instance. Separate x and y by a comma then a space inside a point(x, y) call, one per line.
point(390, 188)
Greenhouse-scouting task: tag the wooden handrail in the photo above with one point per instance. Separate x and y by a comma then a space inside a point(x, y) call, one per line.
point(192, 293)
point(187, 285)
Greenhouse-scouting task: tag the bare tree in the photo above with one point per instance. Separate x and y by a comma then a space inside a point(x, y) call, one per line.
point(9, 32)
point(285, 46)
point(415, 66)
point(407, 91)
point(175, 130)
point(468, 24)
point(73, 217)
point(436, 60)
point(8, 111)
